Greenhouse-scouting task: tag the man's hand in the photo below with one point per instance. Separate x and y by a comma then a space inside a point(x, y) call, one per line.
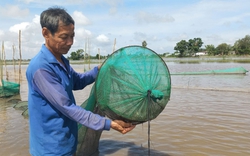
point(122, 126)
point(99, 66)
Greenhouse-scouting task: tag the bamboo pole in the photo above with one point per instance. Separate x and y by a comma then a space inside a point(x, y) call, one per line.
point(20, 55)
point(1, 63)
point(85, 52)
point(13, 58)
point(4, 62)
point(114, 45)
point(99, 55)
point(89, 53)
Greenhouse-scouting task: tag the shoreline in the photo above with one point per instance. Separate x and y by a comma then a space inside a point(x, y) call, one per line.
point(209, 59)
point(200, 59)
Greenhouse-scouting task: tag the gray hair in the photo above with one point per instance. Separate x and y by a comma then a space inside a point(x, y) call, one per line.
point(51, 17)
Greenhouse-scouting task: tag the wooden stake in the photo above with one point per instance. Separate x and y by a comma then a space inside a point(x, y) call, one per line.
point(99, 55)
point(114, 45)
point(13, 59)
point(89, 53)
point(85, 51)
point(20, 55)
point(4, 62)
point(1, 63)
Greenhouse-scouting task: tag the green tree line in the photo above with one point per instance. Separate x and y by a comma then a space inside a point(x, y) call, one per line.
point(192, 46)
point(187, 48)
point(79, 55)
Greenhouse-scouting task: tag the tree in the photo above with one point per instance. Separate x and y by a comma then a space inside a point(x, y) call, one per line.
point(194, 45)
point(181, 47)
point(223, 49)
point(78, 55)
point(242, 46)
point(211, 50)
point(98, 56)
point(144, 44)
point(188, 48)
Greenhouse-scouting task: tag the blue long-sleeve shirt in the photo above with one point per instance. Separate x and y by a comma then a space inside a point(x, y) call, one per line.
point(53, 114)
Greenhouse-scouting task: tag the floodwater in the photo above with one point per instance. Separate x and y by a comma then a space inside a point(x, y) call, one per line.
point(207, 115)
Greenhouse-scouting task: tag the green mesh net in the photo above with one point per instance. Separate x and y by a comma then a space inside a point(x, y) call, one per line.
point(88, 139)
point(229, 71)
point(9, 89)
point(133, 85)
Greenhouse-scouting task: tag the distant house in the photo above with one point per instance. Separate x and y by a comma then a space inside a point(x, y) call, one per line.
point(202, 53)
point(176, 53)
point(231, 53)
point(166, 54)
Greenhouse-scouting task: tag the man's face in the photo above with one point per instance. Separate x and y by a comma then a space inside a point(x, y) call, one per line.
point(61, 41)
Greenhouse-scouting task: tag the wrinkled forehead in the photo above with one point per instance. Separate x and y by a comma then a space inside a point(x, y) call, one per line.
point(66, 29)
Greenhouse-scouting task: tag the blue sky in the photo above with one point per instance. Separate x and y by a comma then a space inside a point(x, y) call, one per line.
point(162, 23)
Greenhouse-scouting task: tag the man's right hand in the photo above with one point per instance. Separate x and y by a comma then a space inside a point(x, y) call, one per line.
point(122, 126)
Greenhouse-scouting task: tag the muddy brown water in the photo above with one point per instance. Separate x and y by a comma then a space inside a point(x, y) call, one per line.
point(206, 116)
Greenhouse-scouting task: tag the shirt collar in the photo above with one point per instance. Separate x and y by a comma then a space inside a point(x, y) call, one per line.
point(51, 58)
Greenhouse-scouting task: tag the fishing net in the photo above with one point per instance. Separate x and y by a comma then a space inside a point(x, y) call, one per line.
point(229, 71)
point(88, 139)
point(9, 89)
point(133, 85)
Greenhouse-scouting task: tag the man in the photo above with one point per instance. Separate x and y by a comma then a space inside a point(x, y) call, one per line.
point(53, 113)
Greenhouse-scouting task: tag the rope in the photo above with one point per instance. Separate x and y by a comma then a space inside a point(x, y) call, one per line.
point(149, 99)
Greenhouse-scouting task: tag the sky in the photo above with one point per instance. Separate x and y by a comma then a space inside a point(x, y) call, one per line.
point(106, 25)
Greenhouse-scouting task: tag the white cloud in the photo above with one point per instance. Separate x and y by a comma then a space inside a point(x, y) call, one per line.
point(36, 19)
point(17, 27)
point(102, 38)
point(140, 36)
point(147, 17)
point(31, 38)
point(1, 33)
point(81, 36)
point(80, 19)
point(82, 33)
point(26, 1)
point(113, 10)
point(13, 11)
point(162, 25)
point(113, 5)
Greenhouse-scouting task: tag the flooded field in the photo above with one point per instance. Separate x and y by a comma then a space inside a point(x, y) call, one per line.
point(206, 115)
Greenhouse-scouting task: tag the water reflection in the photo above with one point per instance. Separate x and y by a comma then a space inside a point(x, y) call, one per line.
point(206, 115)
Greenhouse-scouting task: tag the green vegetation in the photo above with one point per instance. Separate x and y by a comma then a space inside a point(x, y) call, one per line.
point(192, 46)
point(242, 46)
point(78, 55)
point(189, 48)
point(144, 44)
